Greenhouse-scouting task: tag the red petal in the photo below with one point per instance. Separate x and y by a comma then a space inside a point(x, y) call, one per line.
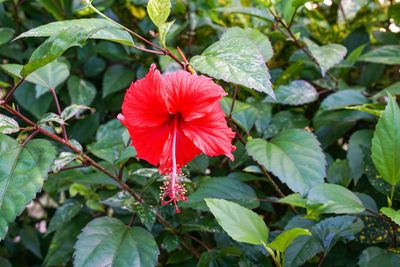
point(143, 103)
point(149, 142)
point(210, 133)
point(185, 151)
point(191, 95)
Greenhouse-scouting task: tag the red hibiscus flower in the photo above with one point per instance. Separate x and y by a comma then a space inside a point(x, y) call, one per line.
point(173, 118)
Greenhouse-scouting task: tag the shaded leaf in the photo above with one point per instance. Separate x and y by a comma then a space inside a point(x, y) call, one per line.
point(296, 93)
point(24, 169)
point(107, 241)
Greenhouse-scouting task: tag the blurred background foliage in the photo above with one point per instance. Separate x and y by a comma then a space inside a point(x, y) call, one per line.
point(100, 71)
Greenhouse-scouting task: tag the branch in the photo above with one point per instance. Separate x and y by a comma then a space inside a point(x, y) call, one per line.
point(94, 164)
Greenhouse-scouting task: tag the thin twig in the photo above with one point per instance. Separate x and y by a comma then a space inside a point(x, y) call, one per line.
point(12, 91)
point(63, 129)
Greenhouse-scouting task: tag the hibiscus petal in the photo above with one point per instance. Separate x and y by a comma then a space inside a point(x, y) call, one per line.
point(210, 133)
point(190, 95)
point(185, 151)
point(149, 142)
point(143, 104)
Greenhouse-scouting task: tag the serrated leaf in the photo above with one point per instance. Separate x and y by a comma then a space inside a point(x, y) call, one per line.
point(296, 93)
point(294, 200)
point(107, 30)
point(64, 215)
point(163, 31)
point(62, 244)
point(386, 144)
point(327, 56)
point(107, 241)
point(81, 92)
point(159, 11)
point(147, 214)
point(251, 11)
point(55, 46)
point(23, 171)
point(240, 223)
point(260, 40)
point(116, 78)
point(343, 99)
point(63, 159)
point(72, 110)
point(50, 75)
point(235, 60)
point(8, 125)
point(334, 198)
point(51, 117)
point(283, 240)
point(294, 156)
point(386, 54)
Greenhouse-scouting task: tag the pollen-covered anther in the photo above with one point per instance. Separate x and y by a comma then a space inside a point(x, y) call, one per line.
point(173, 193)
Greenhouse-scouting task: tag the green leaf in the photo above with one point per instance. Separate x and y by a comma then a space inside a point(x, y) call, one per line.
point(147, 214)
point(283, 240)
point(30, 240)
point(294, 200)
point(301, 250)
point(260, 40)
point(335, 199)
point(12, 69)
point(25, 98)
point(106, 30)
point(51, 117)
point(386, 143)
point(55, 46)
point(355, 155)
point(54, 7)
point(6, 35)
point(223, 188)
point(374, 256)
point(72, 110)
point(8, 125)
point(24, 169)
point(235, 60)
point(243, 114)
point(159, 11)
point(107, 241)
point(163, 31)
point(294, 156)
point(251, 11)
point(343, 99)
point(339, 173)
point(81, 92)
point(393, 89)
point(296, 93)
point(332, 230)
point(325, 235)
point(63, 159)
point(242, 224)
point(387, 54)
point(62, 244)
point(392, 214)
point(327, 56)
point(116, 78)
point(64, 215)
point(50, 75)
